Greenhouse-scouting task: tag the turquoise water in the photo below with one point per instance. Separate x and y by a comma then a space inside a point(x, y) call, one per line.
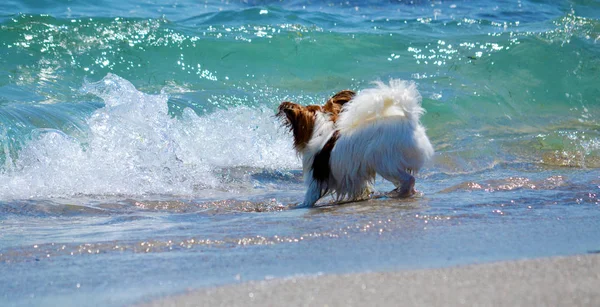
point(139, 155)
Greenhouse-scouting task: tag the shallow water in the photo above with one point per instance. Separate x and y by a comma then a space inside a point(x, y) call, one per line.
point(139, 155)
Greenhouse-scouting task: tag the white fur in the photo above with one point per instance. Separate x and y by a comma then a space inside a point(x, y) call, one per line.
point(380, 133)
point(322, 132)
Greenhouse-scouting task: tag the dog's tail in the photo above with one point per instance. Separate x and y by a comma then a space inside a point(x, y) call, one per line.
point(400, 99)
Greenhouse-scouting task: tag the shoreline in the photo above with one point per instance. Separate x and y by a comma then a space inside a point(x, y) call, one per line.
point(556, 281)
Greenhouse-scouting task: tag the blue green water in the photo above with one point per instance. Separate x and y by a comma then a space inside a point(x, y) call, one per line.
point(139, 155)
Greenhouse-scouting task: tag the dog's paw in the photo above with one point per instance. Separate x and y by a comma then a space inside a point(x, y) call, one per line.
point(401, 193)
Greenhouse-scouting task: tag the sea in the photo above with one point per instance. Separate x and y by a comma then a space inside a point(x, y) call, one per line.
point(140, 156)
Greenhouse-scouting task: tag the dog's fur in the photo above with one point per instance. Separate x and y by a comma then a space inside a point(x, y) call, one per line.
point(345, 142)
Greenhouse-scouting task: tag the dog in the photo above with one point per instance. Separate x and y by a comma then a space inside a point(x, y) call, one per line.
point(346, 142)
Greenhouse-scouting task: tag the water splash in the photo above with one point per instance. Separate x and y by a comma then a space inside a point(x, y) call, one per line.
point(134, 147)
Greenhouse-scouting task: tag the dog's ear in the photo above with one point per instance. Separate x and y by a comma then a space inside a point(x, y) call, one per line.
point(286, 112)
point(335, 103)
point(299, 120)
point(342, 97)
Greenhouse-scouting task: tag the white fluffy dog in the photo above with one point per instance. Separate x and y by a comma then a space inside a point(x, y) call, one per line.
point(352, 137)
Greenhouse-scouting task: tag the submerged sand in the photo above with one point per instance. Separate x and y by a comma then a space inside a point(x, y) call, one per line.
point(558, 281)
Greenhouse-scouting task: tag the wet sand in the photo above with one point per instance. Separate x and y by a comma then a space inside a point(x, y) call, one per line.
point(558, 281)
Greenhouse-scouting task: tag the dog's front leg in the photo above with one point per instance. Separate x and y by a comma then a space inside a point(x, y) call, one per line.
point(313, 193)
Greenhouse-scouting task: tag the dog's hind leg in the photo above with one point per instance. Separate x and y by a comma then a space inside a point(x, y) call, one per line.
point(407, 188)
point(404, 182)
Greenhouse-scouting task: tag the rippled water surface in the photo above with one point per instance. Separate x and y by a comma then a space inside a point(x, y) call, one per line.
point(139, 155)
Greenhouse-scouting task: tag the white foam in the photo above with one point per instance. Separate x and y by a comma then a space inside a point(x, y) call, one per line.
point(134, 147)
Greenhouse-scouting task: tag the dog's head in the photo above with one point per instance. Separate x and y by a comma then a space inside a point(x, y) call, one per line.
point(301, 119)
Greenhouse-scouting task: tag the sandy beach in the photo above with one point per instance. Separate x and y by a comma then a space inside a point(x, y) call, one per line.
point(558, 281)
